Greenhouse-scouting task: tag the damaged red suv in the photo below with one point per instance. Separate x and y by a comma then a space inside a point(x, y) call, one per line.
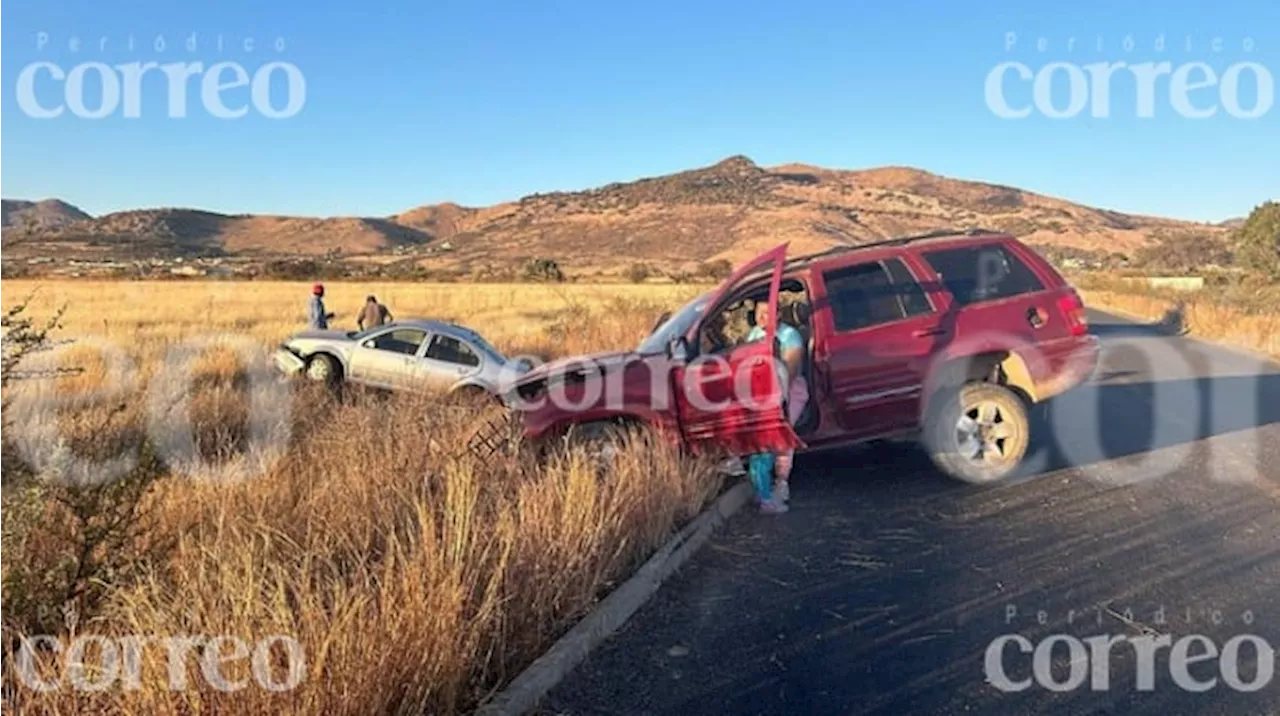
point(949, 337)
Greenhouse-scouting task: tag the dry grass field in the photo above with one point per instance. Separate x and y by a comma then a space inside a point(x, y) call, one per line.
point(416, 579)
point(1246, 316)
point(147, 317)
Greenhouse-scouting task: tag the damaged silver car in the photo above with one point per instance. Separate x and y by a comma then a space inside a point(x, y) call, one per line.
point(414, 355)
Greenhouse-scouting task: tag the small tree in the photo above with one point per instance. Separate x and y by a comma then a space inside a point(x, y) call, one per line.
point(1258, 240)
point(22, 338)
point(718, 269)
point(65, 542)
point(638, 272)
point(543, 269)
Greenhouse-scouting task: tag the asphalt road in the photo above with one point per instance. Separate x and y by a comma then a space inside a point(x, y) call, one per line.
point(1150, 505)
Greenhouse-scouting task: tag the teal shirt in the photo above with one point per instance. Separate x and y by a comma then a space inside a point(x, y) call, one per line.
point(787, 337)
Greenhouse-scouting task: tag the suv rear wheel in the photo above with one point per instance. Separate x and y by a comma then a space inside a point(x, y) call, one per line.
point(978, 433)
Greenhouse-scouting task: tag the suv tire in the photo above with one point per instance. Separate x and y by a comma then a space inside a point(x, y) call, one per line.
point(978, 433)
point(602, 441)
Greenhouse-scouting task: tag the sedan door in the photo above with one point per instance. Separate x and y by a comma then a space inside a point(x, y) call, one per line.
point(387, 359)
point(446, 361)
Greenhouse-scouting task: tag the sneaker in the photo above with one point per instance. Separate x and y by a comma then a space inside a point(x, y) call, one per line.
point(782, 491)
point(773, 507)
point(733, 467)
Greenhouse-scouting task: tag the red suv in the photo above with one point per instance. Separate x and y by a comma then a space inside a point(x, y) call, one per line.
point(948, 336)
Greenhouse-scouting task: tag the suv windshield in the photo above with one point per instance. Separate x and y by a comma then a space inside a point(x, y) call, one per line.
point(677, 325)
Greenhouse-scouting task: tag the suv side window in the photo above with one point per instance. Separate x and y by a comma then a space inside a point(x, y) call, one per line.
point(862, 295)
point(982, 273)
point(914, 302)
point(451, 350)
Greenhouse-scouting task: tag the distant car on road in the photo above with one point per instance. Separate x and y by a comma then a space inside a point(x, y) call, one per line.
point(412, 355)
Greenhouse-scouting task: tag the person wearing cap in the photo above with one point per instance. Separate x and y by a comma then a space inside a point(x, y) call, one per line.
point(317, 317)
point(373, 314)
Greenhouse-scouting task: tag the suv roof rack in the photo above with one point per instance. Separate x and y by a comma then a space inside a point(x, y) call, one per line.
point(899, 241)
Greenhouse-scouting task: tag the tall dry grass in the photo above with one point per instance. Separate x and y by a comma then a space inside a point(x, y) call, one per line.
point(415, 577)
point(1245, 316)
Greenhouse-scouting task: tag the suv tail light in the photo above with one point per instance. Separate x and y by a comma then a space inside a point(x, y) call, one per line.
point(1073, 310)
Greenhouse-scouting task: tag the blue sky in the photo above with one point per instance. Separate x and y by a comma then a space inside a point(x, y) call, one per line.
point(478, 102)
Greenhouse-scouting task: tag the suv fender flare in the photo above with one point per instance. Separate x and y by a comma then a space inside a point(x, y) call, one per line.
point(998, 361)
point(1018, 375)
point(619, 417)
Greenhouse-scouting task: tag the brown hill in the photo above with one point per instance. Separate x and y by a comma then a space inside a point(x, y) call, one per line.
point(189, 232)
point(731, 210)
point(735, 208)
point(19, 214)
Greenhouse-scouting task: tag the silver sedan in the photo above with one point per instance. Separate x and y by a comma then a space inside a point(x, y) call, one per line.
point(413, 355)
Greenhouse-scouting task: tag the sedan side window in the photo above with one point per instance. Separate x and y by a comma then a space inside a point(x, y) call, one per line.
point(451, 350)
point(401, 340)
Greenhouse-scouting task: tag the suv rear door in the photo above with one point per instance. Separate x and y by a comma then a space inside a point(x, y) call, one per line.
point(1006, 298)
point(880, 329)
point(730, 398)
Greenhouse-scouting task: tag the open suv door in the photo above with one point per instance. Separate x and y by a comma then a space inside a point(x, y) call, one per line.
point(727, 392)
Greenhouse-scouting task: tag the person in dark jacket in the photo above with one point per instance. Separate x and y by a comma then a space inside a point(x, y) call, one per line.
point(373, 314)
point(317, 318)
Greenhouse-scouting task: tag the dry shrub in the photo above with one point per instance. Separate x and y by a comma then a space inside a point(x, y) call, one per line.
point(416, 579)
point(1202, 317)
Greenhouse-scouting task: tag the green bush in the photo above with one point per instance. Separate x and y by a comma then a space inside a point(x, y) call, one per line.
point(1257, 242)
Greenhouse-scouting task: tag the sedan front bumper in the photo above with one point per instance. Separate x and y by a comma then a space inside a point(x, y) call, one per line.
point(288, 362)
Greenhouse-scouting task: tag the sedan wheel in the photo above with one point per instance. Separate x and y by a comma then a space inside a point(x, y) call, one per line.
point(322, 369)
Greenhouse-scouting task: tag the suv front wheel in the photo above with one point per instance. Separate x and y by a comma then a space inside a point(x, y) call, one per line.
point(978, 433)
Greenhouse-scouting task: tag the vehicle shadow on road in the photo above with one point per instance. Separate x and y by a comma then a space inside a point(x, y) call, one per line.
point(1172, 323)
point(1104, 421)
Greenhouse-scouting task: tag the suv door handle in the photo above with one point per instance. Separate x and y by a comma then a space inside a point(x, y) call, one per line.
point(924, 332)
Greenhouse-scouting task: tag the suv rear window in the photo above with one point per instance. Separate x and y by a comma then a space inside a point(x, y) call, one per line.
point(873, 293)
point(982, 273)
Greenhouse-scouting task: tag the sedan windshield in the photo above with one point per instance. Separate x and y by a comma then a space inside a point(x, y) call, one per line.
point(675, 326)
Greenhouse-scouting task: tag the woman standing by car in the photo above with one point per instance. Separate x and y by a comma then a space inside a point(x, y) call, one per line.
point(771, 472)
